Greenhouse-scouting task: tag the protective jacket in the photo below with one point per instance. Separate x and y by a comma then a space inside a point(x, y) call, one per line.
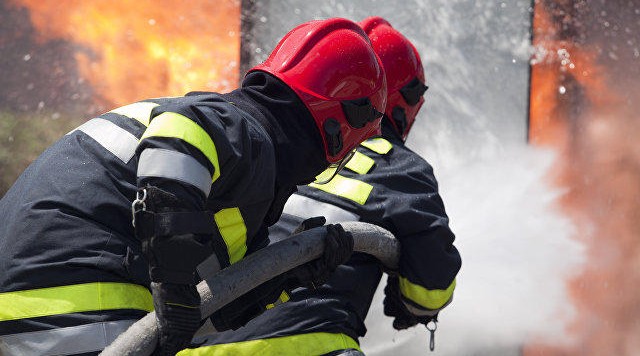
point(72, 276)
point(384, 184)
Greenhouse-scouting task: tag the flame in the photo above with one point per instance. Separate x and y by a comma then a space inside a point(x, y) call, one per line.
point(560, 70)
point(578, 106)
point(131, 50)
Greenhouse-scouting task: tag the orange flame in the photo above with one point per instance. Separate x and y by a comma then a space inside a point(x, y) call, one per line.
point(559, 69)
point(577, 107)
point(130, 50)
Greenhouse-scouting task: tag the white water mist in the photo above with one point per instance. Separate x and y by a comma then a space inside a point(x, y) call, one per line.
point(517, 252)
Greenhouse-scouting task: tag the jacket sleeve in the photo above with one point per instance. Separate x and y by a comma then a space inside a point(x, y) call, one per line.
point(429, 261)
point(177, 151)
point(405, 200)
point(186, 142)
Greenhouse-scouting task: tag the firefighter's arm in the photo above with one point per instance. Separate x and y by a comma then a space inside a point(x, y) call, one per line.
point(177, 163)
point(425, 281)
point(429, 262)
point(174, 243)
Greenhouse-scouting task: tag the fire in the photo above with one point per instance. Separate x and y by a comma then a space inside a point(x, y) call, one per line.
point(561, 71)
point(130, 50)
point(579, 105)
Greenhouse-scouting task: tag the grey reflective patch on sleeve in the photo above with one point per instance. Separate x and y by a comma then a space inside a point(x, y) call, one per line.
point(305, 207)
point(425, 312)
point(120, 142)
point(64, 341)
point(162, 163)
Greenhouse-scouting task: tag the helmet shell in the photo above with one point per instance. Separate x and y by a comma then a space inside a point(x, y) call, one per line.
point(327, 63)
point(403, 68)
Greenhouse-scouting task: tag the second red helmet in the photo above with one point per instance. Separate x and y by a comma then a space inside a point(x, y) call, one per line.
point(332, 67)
point(404, 71)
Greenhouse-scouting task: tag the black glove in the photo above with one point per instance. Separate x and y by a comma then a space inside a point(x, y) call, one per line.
point(395, 307)
point(249, 305)
point(310, 223)
point(177, 308)
point(338, 247)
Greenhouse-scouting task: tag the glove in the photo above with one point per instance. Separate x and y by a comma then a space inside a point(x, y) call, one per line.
point(395, 307)
point(177, 309)
point(248, 306)
point(338, 247)
point(310, 223)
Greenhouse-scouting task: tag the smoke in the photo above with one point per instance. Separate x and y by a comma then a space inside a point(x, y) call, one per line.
point(38, 75)
point(518, 247)
point(594, 126)
point(517, 252)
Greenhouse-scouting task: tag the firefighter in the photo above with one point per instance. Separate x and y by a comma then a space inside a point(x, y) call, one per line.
point(385, 184)
point(201, 177)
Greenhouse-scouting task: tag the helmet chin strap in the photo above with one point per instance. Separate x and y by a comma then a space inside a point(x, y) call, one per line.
point(328, 174)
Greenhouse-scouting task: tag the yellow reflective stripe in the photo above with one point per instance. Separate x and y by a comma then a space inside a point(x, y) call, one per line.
point(360, 163)
point(430, 299)
point(378, 145)
point(283, 298)
point(304, 344)
point(73, 299)
point(348, 188)
point(326, 174)
point(170, 124)
point(138, 111)
point(233, 231)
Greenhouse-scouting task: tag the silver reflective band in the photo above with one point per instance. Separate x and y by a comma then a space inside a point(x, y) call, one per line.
point(158, 162)
point(422, 312)
point(64, 341)
point(114, 138)
point(304, 207)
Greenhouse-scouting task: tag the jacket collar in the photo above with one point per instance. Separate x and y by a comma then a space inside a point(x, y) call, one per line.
point(298, 145)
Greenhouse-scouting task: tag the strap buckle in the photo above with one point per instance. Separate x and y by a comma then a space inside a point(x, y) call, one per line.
point(432, 325)
point(138, 204)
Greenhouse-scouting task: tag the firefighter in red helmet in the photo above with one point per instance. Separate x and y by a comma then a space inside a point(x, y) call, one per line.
point(203, 175)
point(404, 72)
point(385, 184)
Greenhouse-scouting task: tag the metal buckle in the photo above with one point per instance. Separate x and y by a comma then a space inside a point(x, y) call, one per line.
point(139, 202)
point(432, 325)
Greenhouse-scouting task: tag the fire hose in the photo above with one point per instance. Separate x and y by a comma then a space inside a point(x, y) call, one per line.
point(223, 287)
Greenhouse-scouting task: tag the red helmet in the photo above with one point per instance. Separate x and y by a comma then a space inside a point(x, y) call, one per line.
point(403, 68)
point(332, 67)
